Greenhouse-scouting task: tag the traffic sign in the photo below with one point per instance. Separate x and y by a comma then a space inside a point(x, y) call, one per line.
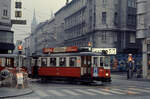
point(108, 50)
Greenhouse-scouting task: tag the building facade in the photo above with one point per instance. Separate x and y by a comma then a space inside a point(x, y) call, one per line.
point(143, 33)
point(104, 23)
point(6, 35)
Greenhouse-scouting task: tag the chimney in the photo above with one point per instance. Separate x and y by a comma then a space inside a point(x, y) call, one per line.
point(67, 1)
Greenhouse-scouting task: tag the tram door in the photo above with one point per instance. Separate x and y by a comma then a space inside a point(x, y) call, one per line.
point(86, 66)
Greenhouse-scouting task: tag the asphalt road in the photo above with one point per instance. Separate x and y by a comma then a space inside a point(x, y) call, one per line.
point(119, 89)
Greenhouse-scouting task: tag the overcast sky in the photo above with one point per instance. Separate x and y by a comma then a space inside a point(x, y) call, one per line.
point(43, 10)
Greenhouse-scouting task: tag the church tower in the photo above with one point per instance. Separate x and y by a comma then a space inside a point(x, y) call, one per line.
point(34, 23)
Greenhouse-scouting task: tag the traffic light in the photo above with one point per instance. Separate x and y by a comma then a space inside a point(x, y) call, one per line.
point(89, 44)
point(130, 58)
point(20, 48)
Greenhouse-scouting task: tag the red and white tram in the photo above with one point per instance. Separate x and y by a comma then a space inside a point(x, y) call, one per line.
point(74, 64)
point(10, 62)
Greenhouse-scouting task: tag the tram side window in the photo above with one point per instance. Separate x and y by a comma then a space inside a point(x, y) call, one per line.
point(95, 62)
point(62, 62)
point(52, 61)
point(101, 62)
point(73, 61)
point(44, 62)
point(0, 61)
point(107, 61)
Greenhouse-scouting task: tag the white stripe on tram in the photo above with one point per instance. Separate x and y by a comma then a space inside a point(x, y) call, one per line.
point(84, 92)
point(54, 92)
point(41, 93)
point(112, 91)
point(70, 92)
point(141, 90)
point(99, 91)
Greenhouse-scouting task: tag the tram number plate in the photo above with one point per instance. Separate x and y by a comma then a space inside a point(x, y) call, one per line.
point(95, 72)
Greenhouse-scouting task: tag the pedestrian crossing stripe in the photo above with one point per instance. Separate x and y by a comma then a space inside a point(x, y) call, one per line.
point(127, 91)
point(70, 92)
point(54, 92)
point(77, 92)
point(115, 92)
point(100, 92)
point(41, 93)
point(84, 92)
point(141, 90)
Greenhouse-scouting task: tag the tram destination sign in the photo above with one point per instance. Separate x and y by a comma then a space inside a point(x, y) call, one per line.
point(108, 50)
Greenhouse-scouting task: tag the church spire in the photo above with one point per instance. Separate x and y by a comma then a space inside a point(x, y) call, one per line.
point(34, 22)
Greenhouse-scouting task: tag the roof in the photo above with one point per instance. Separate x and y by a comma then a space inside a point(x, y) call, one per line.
point(8, 55)
point(73, 54)
point(64, 7)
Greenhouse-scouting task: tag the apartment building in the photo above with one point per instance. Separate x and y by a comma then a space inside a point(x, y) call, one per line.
point(6, 35)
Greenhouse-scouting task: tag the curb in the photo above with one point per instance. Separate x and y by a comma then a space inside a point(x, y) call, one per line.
point(16, 95)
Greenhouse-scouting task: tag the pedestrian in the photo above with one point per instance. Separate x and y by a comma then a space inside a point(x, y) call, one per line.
point(130, 66)
point(19, 77)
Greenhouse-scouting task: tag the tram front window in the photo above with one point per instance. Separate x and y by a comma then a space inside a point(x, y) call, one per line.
point(101, 61)
point(106, 61)
point(95, 62)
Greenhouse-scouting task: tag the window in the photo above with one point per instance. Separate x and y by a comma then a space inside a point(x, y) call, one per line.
point(62, 62)
point(115, 18)
point(104, 17)
point(132, 38)
point(5, 12)
point(95, 62)
point(73, 61)
point(132, 3)
point(44, 62)
point(101, 62)
point(107, 62)
point(52, 61)
point(104, 35)
point(104, 3)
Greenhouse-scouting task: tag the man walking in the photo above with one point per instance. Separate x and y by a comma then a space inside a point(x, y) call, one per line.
point(130, 66)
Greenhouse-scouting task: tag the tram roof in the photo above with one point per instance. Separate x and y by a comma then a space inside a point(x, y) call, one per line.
point(73, 54)
point(8, 55)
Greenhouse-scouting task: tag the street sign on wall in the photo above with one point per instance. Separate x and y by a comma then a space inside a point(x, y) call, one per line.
point(21, 22)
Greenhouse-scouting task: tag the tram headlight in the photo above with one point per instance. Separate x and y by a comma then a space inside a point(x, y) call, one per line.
point(107, 74)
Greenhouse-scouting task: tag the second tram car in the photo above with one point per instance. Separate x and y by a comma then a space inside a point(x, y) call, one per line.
point(74, 64)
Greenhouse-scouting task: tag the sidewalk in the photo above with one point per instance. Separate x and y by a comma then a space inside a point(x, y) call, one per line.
point(13, 92)
point(123, 76)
